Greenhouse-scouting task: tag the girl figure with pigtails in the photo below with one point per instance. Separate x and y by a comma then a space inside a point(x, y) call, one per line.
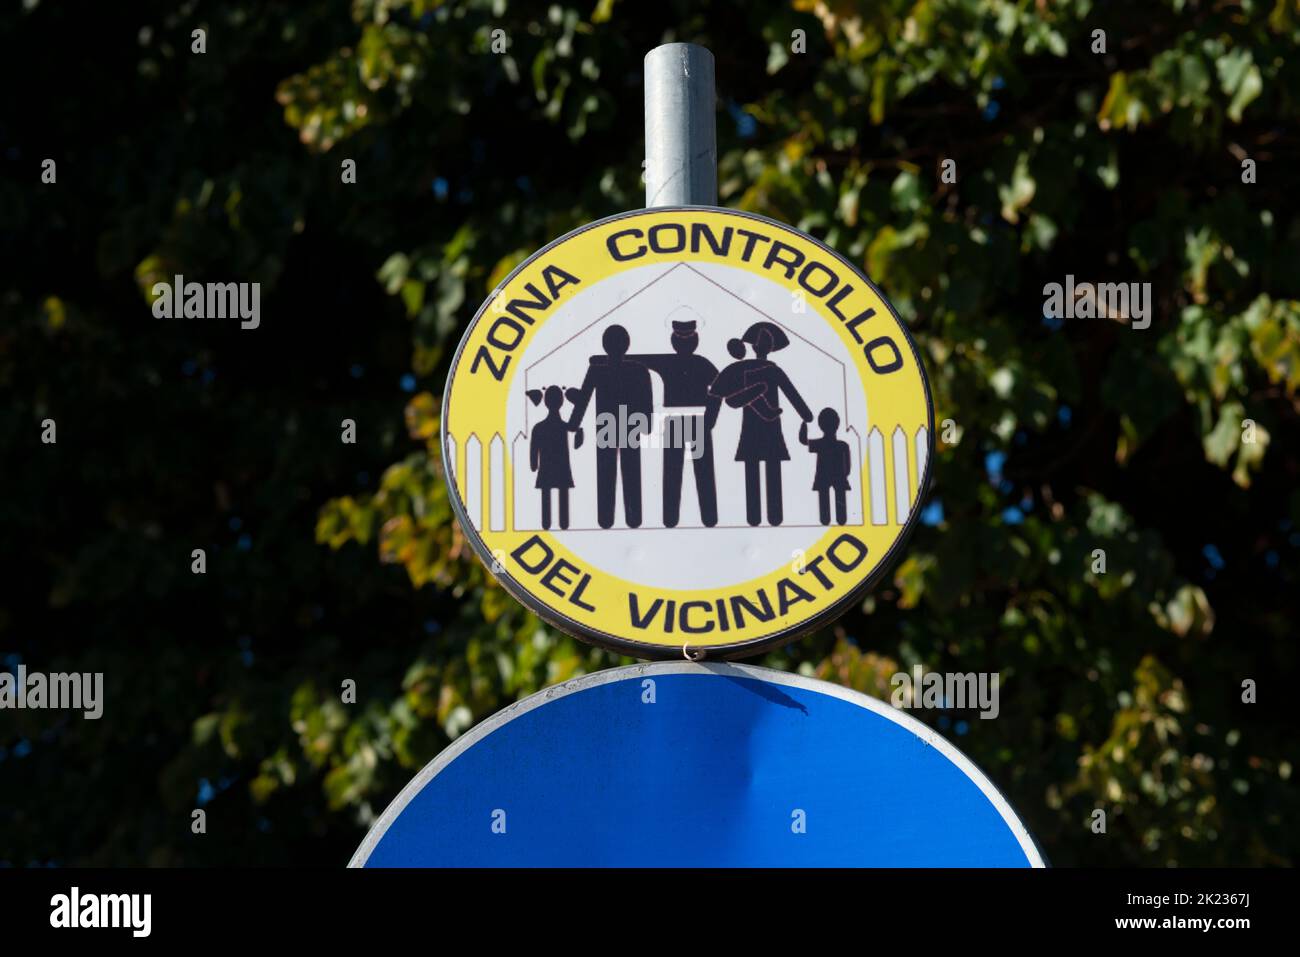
point(548, 453)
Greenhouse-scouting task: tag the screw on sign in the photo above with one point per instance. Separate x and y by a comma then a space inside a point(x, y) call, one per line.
point(687, 427)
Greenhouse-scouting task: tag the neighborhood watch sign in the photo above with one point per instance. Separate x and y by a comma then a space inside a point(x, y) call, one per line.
point(687, 430)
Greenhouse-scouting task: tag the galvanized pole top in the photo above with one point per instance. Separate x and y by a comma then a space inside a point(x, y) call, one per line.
point(681, 152)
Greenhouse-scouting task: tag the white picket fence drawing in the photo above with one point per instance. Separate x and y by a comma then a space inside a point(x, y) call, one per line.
point(892, 476)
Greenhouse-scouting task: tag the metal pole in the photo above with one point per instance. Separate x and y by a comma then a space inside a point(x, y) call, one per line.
point(681, 151)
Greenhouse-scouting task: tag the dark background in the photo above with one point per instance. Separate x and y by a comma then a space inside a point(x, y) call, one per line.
point(327, 562)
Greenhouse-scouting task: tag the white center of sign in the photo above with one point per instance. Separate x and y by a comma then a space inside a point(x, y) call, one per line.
point(723, 303)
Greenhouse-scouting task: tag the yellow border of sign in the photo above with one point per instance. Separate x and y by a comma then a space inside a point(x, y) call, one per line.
point(472, 408)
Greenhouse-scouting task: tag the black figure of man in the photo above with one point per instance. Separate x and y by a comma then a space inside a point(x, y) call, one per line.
point(622, 389)
point(686, 379)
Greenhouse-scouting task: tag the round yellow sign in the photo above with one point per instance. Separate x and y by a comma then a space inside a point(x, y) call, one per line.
point(687, 430)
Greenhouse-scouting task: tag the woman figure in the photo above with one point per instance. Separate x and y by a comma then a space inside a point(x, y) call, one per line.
point(548, 455)
point(755, 385)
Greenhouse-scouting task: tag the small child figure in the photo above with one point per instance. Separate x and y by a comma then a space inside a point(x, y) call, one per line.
point(834, 462)
point(733, 381)
point(548, 454)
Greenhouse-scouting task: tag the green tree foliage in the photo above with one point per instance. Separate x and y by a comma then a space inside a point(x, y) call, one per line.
point(1173, 449)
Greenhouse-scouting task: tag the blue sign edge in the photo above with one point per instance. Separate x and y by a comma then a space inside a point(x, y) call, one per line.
point(503, 717)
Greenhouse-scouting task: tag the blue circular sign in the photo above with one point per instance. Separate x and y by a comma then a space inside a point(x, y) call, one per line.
point(711, 765)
